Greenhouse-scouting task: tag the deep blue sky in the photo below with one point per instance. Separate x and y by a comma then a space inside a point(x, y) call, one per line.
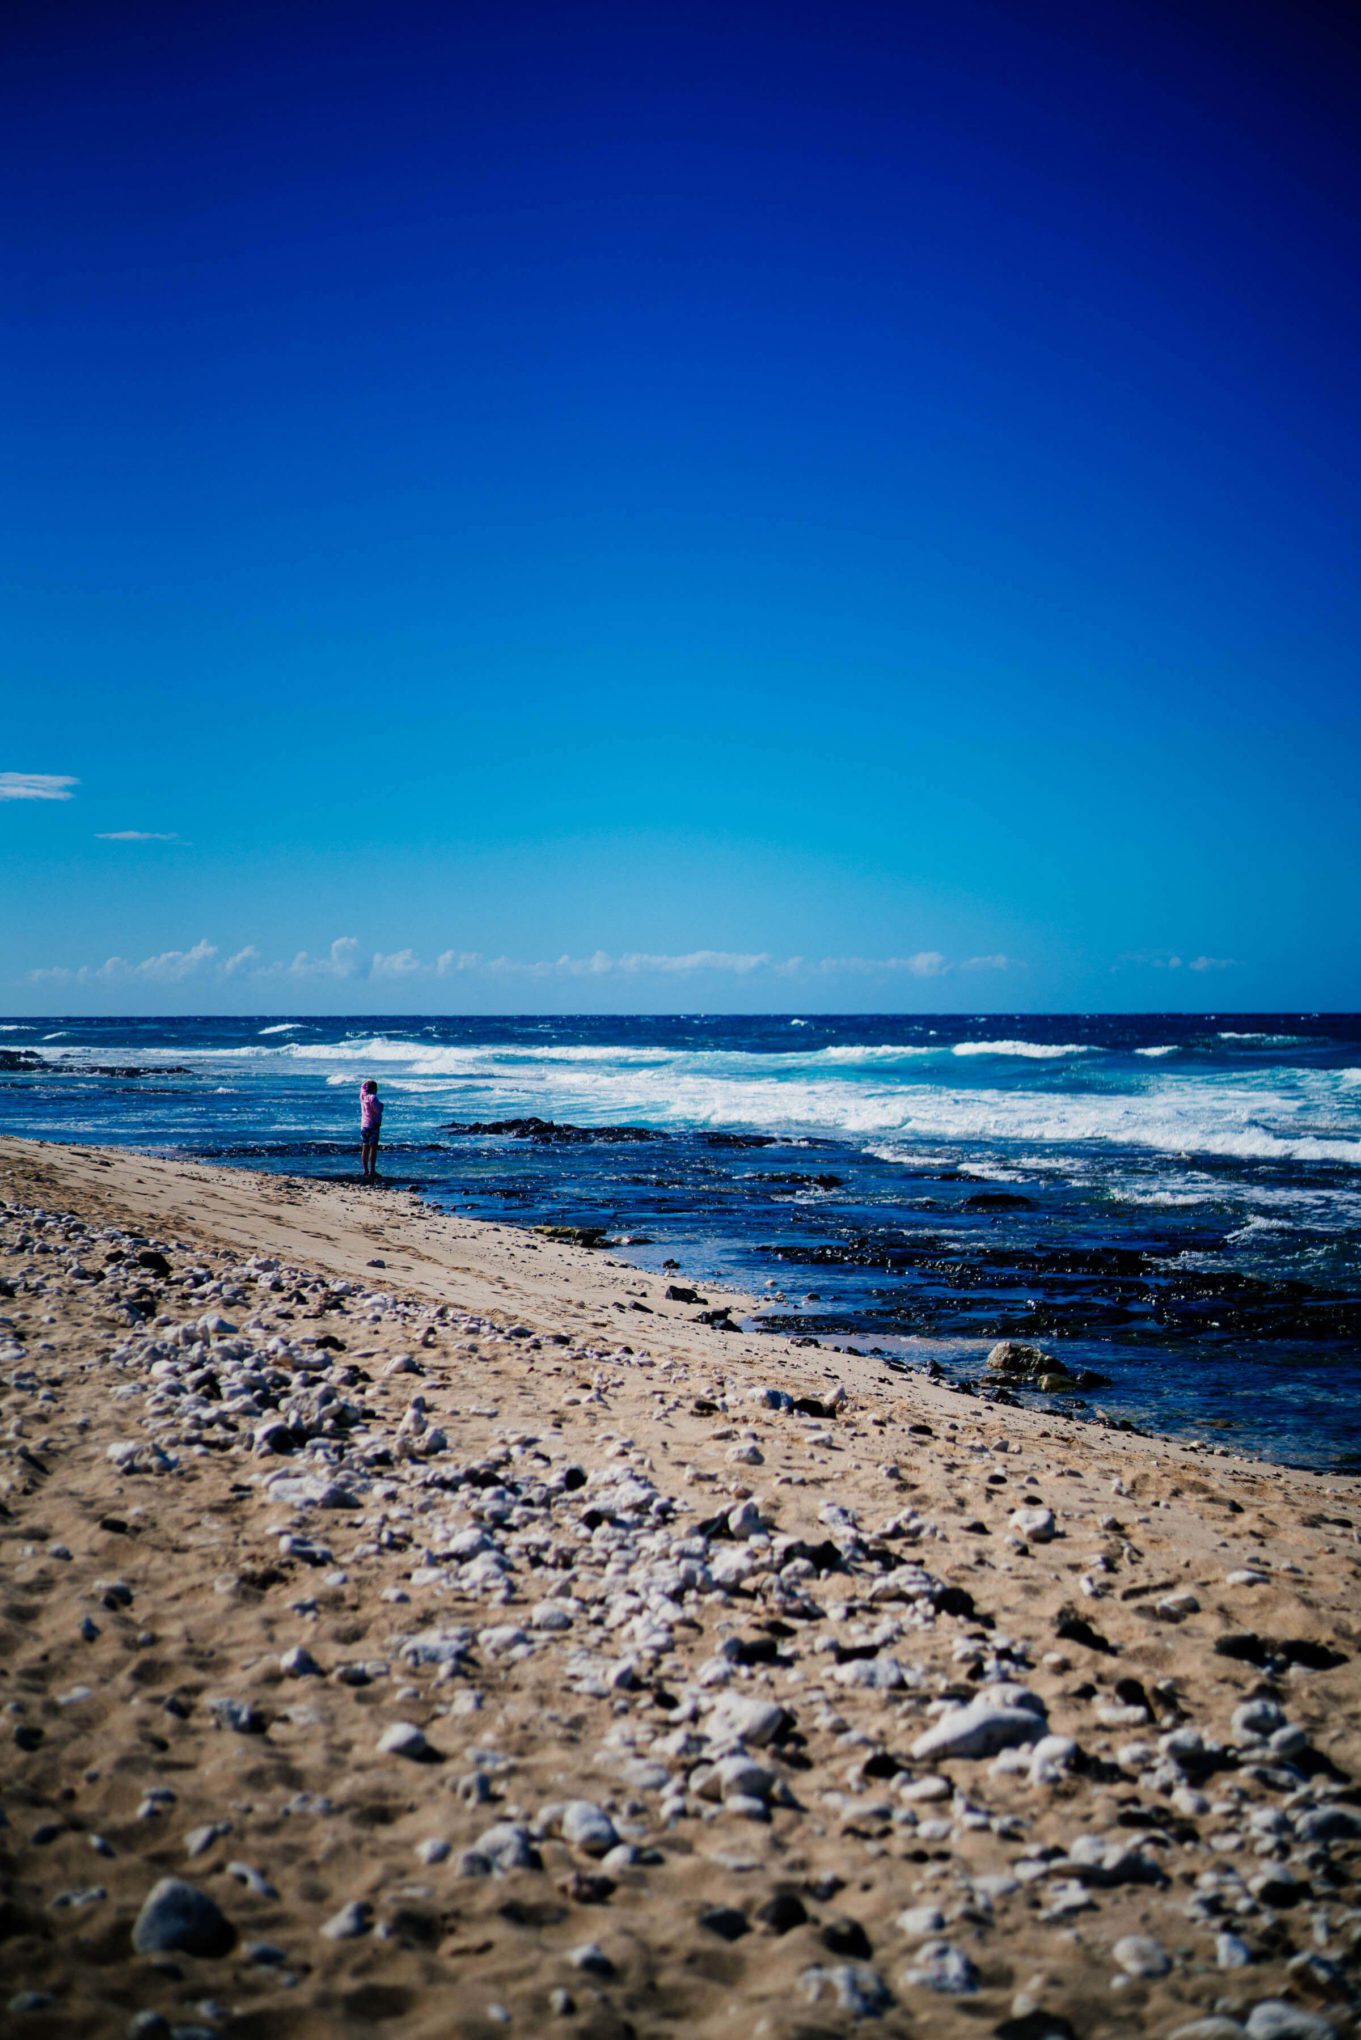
point(872, 485)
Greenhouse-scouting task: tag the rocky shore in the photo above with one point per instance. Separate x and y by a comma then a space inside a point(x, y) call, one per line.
point(417, 1626)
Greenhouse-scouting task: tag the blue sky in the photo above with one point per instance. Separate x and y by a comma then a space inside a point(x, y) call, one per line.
point(775, 508)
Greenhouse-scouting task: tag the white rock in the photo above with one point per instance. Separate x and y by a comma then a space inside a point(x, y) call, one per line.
point(1274, 2019)
point(588, 1827)
point(983, 1727)
point(921, 1921)
point(739, 1718)
point(1141, 1955)
point(404, 1739)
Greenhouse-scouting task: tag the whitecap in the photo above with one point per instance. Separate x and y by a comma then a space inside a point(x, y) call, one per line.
point(1039, 1051)
point(1164, 1048)
point(284, 1027)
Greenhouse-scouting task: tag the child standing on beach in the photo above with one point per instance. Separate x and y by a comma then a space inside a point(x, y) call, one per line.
point(370, 1125)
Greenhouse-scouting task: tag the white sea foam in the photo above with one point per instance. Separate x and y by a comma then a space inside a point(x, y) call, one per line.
point(1163, 1048)
point(1037, 1051)
point(879, 1093)
point(1187, 1118)
point(284, 1027)
point(886, 1052)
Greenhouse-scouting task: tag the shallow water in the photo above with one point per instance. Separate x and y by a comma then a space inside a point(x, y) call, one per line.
point(1174, 1202)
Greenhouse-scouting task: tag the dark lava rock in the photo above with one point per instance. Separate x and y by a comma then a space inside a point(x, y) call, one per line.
point(586, 1887)
point(725, 1921)
point(997, 1200)
point(154, 1263)
point(847, 1937)
point(753, 1650)
point(1246, 1647)
point(1039, 2025)
point(1074, 1628)
point(1021, 1362)
point(782, 1913)
point(592, 1236)
point(676, 1292)
point(179, 1919)
point(548, 1132)
point(809, 1406)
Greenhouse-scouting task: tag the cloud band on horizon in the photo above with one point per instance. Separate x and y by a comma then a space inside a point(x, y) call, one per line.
point(346, 960)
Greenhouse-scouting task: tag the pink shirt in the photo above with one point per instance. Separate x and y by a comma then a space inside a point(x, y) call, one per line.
point(370, 1111)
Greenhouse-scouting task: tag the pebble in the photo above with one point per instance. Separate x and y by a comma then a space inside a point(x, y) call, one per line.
point(508, 1846)
point(852, 1986)
point(921, 1921)
point(299, 1663)
point(350, 1922)
point(404, 1739)
point(178, 1918)
point(1140, 1955)
point(982, 1728)
point(588, 1827)
point(1232, 1951)
point(592, 1958)
point(1274, 2019)
point(940, 1966)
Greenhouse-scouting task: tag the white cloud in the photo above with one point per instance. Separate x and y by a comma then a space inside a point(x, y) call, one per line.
point(741, 964)
point(36, 785)
point(344, 961)
point(171, 967)
point(1167, 960)
point(926, 963)
point(340, 961)
point(401, 963)
point(134, 836)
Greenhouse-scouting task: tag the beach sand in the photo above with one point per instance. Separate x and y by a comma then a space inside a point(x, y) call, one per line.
point(902, 1711)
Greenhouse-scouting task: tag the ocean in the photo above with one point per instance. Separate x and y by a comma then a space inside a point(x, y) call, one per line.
point(1172, 1202)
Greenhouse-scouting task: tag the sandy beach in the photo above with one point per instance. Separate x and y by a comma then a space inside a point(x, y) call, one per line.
point(422, 1626)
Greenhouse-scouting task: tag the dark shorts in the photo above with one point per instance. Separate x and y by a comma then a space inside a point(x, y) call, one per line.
point(368, 1136)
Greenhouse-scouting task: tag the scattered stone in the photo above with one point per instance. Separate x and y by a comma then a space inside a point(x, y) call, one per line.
point(851, 1986)
point(179, 1919)
point(940, 1966)
point(725, 1921)
point(404, 1739)
point(1141, 1955)
point(984, 1727)
point(352, 1921)
point(588, 1827)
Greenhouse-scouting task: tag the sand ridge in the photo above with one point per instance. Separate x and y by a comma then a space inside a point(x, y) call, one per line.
point(491, 1644)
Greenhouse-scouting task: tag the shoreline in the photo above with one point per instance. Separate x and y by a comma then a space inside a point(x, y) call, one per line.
point(843, 1580)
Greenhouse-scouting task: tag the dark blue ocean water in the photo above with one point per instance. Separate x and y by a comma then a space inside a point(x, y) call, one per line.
point(1174, 1202)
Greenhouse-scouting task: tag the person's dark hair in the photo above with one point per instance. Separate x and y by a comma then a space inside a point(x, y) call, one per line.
point(369, 1084)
